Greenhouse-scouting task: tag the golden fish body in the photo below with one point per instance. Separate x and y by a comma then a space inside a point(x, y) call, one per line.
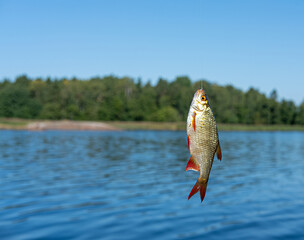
point(203, 140)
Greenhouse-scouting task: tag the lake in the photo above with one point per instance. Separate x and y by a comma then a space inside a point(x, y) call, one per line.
point(133, 185)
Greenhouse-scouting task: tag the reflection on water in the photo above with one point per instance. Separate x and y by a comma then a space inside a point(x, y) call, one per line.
point(133, 185)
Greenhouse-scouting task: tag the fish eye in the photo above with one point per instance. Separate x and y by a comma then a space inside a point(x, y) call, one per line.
point(203, 98)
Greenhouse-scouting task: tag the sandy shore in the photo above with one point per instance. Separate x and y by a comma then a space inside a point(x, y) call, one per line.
point(70, 125)
point(56, 125)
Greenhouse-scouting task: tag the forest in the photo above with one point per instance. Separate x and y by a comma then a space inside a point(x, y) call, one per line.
point(112, 98)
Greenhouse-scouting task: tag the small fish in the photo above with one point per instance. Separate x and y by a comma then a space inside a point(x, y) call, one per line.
point(203, 140)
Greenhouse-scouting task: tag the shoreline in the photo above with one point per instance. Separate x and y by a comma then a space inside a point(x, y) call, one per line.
point(41, 125)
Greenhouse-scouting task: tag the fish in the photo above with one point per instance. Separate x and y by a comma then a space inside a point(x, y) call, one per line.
point(203, 141)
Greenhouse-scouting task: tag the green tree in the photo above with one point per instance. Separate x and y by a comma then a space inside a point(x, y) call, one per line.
point(274, 108)
point(114, 98)
point(300, 117)
point(180, 92)
point(13, 101)
point(288, 112)
point(51, 111)
point(165, 114)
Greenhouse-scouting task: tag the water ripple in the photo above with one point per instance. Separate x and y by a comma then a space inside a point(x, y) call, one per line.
point(133, 185)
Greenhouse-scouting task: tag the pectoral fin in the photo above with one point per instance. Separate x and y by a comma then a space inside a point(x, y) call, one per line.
point(219, 152)
point(193, 120)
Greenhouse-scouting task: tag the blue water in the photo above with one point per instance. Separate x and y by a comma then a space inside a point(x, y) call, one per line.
point(133, 185)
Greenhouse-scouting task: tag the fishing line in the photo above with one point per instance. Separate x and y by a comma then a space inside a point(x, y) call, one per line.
point(201, 12)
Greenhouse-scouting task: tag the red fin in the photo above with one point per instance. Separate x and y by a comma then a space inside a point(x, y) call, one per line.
point(191, 165)
point(193, 120)
point(203, 191)
point(188, 142)
point(219, 152)
point(199, 186)
point(194, 190)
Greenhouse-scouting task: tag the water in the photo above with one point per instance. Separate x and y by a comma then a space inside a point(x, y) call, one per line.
point(133, 185)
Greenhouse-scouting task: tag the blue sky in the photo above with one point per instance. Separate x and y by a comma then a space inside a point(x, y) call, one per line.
point(244, 43)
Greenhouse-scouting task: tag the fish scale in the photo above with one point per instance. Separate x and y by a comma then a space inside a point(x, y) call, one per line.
point(203, 140)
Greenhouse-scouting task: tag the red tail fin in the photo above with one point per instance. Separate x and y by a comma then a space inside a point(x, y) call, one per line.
point(200, 185)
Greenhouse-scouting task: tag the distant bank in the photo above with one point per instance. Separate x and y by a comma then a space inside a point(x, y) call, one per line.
point(40, 125)
point(34, 125)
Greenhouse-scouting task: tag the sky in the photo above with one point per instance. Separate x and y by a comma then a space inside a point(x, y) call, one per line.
point(254, 43)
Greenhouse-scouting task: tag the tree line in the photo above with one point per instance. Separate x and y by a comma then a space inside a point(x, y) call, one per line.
point(125, 99)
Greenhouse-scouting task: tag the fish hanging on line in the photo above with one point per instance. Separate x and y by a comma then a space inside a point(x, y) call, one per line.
point(203, 140)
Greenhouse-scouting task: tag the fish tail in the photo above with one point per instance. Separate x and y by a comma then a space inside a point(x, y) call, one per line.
point(200, 185)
